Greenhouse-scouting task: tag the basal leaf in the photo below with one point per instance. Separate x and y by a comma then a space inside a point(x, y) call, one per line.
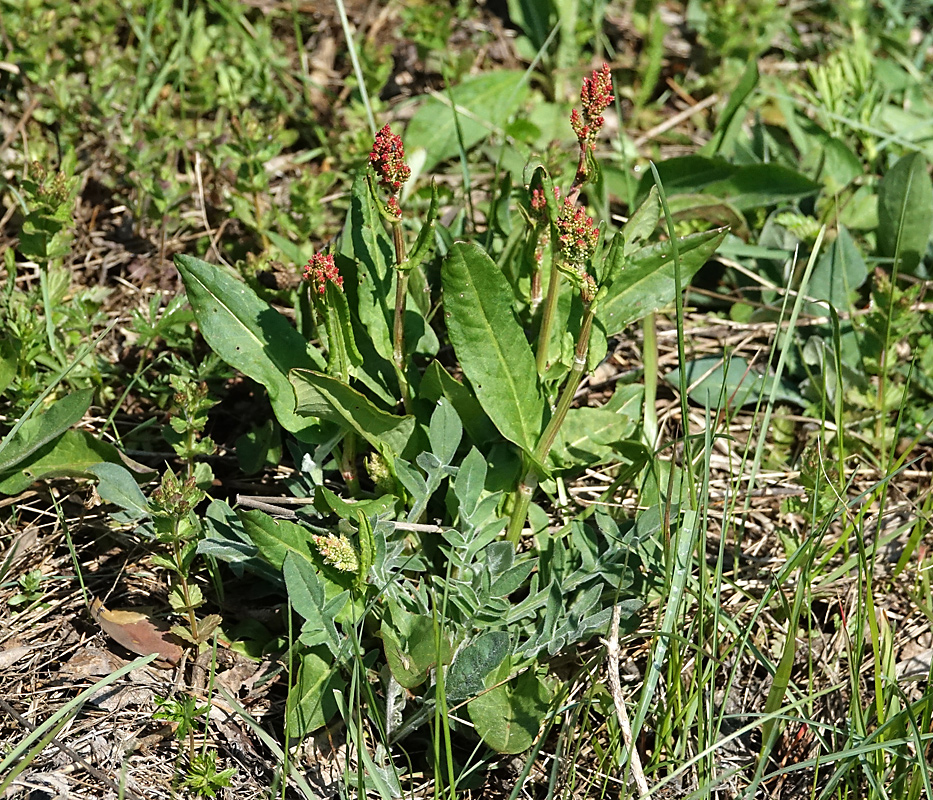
point(644, 281)
point(490, 344)
point(319, 395)
point(484, 103)
point(72, 455)
point(509, 716)
point(248, 334)
point(42, 428)
point(311, 700)
point(905, 211)
point(736, 383)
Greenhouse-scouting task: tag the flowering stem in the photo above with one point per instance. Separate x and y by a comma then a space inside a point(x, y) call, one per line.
point(547, 318)
point(348, 464)
point(530, 480)
point(398, 327)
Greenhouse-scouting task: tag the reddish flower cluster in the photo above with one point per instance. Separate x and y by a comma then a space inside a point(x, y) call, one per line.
point(321, 269)
point(595, 97)
point(538, 204)
point(388, 159)
point(577, 234)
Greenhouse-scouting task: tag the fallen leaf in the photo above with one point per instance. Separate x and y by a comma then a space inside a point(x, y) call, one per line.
point(138, 633)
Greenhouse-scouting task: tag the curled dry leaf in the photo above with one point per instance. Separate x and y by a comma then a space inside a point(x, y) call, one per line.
point(138, 633)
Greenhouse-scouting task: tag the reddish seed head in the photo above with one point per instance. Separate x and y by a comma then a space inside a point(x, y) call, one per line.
point(595, 97)
point(321, 269)
point(388, 160)
point(577, 235)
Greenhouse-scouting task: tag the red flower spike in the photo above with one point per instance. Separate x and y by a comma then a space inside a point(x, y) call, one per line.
point(595, 97)
point(577, 235)
point(321, 269)
point(388, 160)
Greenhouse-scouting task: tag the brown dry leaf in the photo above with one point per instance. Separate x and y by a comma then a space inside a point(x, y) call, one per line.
point(90, 662)
point(138, 633)
point(13, 653)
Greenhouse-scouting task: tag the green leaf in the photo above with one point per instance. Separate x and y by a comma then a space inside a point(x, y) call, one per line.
point(509, 717)
point(72, 455)
point(319, 395)
point(642, 223)
point(905, 211)
point(311, 700)
point(490, 344)
point(410, 646)
point(437, 382)
point(118, 486)
point(840, 271)
point(315, 598)
point(484, 104)
point(445, 431)
point(342, 356)
point(425, 241)
point(745, 187)
point(367, 267)
point(736, 383)
point(644, 281)
point(470, 481)
point(466, 676)
point(9, 361)
point(260, 446)
point(248, 334)
point(277, 538)
point(589, 435)
point(730, 121)
point(40, 429)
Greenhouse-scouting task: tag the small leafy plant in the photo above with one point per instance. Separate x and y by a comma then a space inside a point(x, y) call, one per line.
point(460, 442)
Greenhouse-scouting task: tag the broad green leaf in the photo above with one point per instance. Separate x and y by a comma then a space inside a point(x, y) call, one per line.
point(589, 436)
point(437, 382)
point(9, 361)
point(248, 334)
point(905, 211)
point(840, 271)
point(490, 344)
point(410, 646)
point(746, 187)
point(368, 271)
point(349, 509)
point(484, 104)
point(118, 486)
point(730, 121)
point(311, 700)
point(644, 281)
point(40, 429)
point(315, 598)
point(445, 431)
point(470, 481)
point(737, 384)
point(319, 395)
point(642, 223)
point(466, 676)
point(72, 455)
point(277, 538)
point(509, 717)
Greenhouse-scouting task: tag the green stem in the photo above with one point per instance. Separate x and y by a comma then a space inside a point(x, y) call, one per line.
point(348, 464)
point(547, 319)
point(530, 479)
point(398, 328)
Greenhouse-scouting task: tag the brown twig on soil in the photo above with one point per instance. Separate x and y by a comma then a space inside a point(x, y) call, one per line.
point(615, 687)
